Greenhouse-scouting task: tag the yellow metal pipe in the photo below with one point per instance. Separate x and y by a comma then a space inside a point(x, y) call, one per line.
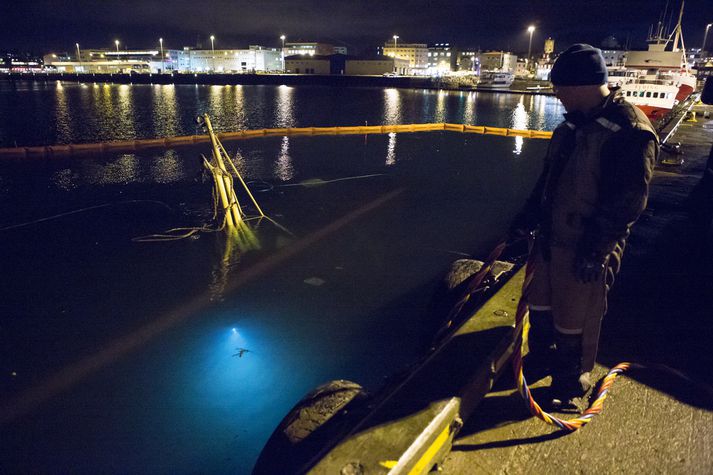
point(224, 182)
point(222, 194)
point(234, 205)
point(242, 182)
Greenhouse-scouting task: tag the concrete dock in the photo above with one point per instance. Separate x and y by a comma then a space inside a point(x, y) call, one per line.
point(656, 419)
point(660, 312)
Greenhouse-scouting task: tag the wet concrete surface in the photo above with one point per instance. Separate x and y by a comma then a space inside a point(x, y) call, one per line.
point(660, 313)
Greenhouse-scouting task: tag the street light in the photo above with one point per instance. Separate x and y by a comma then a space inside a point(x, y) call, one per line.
point(705, 37)
point(531, 30)
point(79, 55)
point(163, 65)
point(396, 37)
point(116, 42)
point(283, 37)
point(212, 49)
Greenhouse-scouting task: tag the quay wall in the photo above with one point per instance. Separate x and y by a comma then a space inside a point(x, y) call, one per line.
point(232, 79)
point(402, 82)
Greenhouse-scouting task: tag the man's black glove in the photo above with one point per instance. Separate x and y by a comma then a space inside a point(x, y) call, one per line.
point(589, 268)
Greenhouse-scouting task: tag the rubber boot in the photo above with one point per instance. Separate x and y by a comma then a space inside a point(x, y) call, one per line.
point(540, 344)
point(569, 384)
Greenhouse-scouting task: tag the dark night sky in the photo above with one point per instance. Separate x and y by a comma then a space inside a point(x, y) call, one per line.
point(46, 25)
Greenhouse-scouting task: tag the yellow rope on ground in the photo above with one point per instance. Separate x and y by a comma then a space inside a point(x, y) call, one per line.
point(520, 315)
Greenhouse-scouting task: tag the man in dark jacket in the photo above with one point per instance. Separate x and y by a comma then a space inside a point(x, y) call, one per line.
point(593, 188)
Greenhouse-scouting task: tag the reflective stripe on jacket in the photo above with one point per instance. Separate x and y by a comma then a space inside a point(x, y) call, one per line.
point(599, 167)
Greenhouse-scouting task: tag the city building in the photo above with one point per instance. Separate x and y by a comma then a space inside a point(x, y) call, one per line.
point(188, 60)
point(309, 49)
point(498, 61)
point(339, 64)
point(442, 59)
point(112, 61)
point(549, 49)
point(251, 60)
point(340, 50)
point(468, 59)
point(415, 53)
point(521, 68)
point(375, 66)
point(310, 64)
point(543, 71)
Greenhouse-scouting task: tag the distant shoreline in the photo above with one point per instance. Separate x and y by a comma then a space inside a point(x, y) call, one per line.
point(401, 82)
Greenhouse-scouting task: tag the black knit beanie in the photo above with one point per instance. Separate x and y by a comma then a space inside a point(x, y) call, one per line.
point(579, 65)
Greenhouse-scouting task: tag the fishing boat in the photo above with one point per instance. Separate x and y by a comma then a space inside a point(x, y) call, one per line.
point(658, 78)
point(653, 94)
point(495, 79)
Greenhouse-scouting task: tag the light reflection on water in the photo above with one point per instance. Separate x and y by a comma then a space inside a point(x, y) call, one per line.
point(166, 109)
point(123, 110)
point(241, 240)
point(65, 180)
point(392, 106)
point(202, 405)
point(120, 171)
point(440, 115)
point(62, 115)
point(185, 391)
point(391, 149)
point(284, 111)
point(519, 122)
point(167, 167)
point(283, 166)
point(50, 113)
point(469, 108)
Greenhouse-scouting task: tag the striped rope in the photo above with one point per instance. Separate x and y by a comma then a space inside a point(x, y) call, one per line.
point(475, 281)
point(565, 424)
point(520, 315)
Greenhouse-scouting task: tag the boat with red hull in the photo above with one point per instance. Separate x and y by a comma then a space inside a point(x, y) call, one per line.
point(658, 78)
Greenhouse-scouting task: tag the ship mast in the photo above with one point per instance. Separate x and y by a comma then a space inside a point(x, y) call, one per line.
point(677, 30)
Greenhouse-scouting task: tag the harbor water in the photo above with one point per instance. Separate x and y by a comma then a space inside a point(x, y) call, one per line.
point(124, 356)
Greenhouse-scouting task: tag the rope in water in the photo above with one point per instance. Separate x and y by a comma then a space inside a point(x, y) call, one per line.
point(521, 313)
point(176, 234)
point(82, 210)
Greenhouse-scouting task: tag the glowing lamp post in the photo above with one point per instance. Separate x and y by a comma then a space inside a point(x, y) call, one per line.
point(116, 43)
point(705, 37)
point(79, 55)
point(212, 49)
point(531, 30)
point(163, 63)
point(283, 37)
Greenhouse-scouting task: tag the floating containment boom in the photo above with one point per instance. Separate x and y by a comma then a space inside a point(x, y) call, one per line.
point(171, 142)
